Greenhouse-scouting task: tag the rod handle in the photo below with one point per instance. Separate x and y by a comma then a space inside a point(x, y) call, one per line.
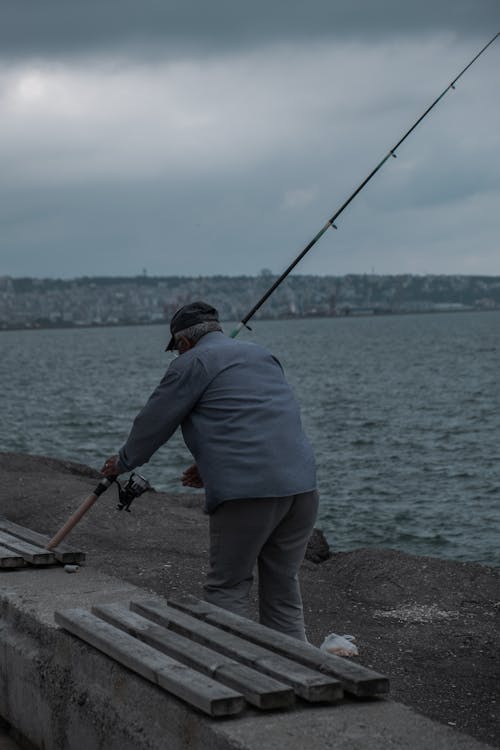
point(80, 512)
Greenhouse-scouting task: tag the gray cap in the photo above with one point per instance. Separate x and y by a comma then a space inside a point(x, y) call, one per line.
point(190, 315)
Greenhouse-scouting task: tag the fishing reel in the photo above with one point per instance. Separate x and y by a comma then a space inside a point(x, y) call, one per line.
point(135, 486)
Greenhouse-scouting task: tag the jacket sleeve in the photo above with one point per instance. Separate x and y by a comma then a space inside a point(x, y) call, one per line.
point(166, 409)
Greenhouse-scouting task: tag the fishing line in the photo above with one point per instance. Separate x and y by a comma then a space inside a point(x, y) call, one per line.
point(331, 222)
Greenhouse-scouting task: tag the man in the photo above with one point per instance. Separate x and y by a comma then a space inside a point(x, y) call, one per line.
point(241, 422)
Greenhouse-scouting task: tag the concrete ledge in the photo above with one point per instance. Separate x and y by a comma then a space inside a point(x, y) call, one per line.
point(58, 692)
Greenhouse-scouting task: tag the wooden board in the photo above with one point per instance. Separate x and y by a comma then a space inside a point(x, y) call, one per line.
point(10, 559)
point(62, 553)
point(29, 552)
point(200, 691)
point(355, 678)
point(217, 666)
point(259, 690)
point(308, 684)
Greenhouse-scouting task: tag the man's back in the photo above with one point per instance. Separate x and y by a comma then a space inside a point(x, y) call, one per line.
point(245, 430)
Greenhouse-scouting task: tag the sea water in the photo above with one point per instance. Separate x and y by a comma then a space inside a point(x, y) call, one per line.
point(403, 412)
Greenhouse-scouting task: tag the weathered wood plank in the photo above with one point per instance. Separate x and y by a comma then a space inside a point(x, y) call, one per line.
point(355, 678)
point(308, 684)
point(63, 553)
point(196, 689)
point(258, 689)
point(30, 553)
point(10, 559)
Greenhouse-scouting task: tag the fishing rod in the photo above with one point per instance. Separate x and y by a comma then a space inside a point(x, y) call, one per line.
point(331, 222)
point(135, 487)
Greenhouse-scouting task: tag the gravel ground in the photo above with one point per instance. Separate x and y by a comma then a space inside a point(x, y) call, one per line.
point(430, 625)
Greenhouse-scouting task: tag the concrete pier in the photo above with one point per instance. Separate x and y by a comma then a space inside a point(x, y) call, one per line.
point(63, 694)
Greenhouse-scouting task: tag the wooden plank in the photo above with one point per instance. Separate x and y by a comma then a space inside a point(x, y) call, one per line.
point(202, 692)
point(310, 685)
point(355, 678)
point(30, 553)
point(9, 559)
point(63, 553)
point(258, 689)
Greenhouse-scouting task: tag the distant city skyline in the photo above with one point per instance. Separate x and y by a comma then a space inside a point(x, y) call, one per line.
point(200, 139)
point(35, 303)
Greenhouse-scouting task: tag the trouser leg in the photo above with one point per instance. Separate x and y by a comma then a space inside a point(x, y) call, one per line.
point(273, 530)
point(238, 529)
point(279, 561)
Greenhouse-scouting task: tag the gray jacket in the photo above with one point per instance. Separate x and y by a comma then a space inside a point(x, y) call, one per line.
point(239, 419)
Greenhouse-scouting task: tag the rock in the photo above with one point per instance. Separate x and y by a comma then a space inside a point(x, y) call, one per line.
point(317, 548)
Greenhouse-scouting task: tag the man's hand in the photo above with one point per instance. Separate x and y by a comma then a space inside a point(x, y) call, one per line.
point(191, 477)
point(111, 467)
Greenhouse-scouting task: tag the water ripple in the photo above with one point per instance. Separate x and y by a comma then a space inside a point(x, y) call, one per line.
point(403, 411)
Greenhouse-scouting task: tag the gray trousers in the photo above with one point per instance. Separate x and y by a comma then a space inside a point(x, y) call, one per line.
point(271, 533)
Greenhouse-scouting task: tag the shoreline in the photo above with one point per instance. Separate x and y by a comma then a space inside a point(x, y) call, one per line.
point(375, 313)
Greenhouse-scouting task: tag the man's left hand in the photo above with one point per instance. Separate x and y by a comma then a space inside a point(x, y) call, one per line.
point(191, 477)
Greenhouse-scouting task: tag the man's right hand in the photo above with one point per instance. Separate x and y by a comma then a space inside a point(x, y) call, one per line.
point(111, 467)
point(191, 477)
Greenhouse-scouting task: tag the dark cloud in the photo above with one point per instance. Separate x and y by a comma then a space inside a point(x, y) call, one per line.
point(239, 224)
point(112, 162)
point(59, 27)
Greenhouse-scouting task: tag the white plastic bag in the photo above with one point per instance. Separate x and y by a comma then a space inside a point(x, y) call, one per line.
point(339, 645)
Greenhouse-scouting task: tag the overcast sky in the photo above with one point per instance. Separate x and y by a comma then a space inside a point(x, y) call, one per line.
point(195, 138)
